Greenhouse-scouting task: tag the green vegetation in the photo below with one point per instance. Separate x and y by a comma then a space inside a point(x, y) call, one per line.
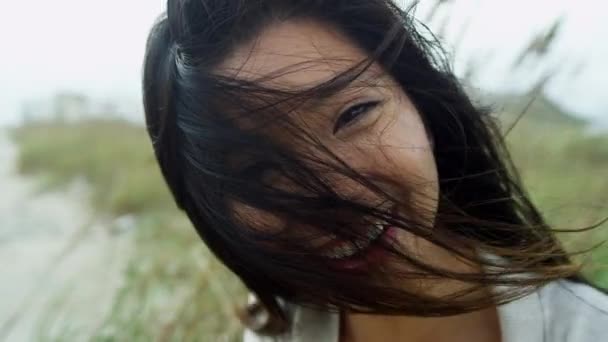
point(176, 291)
point(112, 155)
point(565, 170)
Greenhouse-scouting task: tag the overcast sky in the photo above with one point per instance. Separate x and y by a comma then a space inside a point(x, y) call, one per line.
point(96, 47)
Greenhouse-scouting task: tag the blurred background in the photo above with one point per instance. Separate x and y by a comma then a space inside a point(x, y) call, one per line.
point(91, 245)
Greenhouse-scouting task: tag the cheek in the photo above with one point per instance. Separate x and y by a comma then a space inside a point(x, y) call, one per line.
point(257, 219)
point(410, 153)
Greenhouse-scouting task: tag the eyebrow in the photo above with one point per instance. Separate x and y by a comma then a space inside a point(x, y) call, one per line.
point(343, 80)
point(341, 86)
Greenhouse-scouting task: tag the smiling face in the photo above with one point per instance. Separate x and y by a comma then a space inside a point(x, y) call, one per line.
point(347, 151)
point(371, 124)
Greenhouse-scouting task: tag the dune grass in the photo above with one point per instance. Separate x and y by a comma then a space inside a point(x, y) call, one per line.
point(175, 290)
point(565, 171)
point(112, 155)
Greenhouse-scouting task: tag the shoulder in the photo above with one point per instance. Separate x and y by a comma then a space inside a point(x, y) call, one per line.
point(574, 312)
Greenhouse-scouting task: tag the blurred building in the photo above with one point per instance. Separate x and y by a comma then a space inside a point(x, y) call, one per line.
point(70, 106)
point(75, 106)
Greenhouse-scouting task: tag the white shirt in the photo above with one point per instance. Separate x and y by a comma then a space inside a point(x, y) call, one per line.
point(561, 311)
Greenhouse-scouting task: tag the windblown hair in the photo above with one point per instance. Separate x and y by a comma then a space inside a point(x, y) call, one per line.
point(210, 163)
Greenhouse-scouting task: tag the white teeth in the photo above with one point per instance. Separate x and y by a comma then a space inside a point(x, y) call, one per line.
point(361, 244)
point(348, 248)
point(342, 251)
point(376, 232)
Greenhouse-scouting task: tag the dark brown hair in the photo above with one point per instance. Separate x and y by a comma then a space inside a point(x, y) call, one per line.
point(190, 114)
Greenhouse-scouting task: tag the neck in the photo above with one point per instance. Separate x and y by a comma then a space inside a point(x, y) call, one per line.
point(482, 326)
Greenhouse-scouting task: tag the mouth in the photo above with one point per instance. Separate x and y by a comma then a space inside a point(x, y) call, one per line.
point(339, 249)
point(347, 249)
point(359, 256)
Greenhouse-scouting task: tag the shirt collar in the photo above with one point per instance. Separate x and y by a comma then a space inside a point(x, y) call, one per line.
point(520, 321)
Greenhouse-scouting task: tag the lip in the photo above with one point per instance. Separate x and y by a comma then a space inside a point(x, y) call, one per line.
point(339, 246)
point(372, 254)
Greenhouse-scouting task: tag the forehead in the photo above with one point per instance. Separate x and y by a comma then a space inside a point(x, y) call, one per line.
point(292, 55)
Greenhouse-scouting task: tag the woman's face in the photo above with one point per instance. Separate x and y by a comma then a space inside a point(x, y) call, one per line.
point(371, 124)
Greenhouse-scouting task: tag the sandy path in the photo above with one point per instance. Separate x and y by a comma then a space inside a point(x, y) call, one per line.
point(59, 268)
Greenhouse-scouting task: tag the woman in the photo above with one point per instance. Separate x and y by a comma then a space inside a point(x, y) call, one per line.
point(326, 154)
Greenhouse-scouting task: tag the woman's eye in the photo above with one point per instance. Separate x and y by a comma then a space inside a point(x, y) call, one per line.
point(352, 114)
